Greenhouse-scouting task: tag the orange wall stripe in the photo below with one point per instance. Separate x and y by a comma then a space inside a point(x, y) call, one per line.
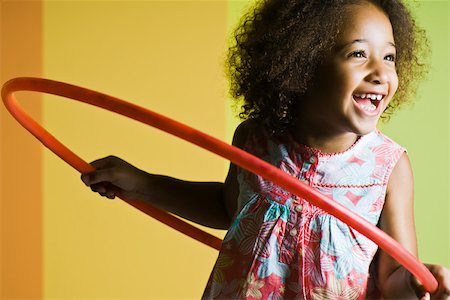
point(20, 157)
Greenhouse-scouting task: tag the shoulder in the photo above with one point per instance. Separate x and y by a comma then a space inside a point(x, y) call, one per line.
point(396, 150)
point(243, 131)
point(387, 151)
point(381, 137)
point(401, 178)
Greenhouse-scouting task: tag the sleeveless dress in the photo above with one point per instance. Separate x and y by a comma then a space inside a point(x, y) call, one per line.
point(279, 246)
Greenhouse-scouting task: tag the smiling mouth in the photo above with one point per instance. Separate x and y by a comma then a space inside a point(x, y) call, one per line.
point(368, 102)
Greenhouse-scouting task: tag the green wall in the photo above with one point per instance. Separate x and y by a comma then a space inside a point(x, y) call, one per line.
point(424, 130)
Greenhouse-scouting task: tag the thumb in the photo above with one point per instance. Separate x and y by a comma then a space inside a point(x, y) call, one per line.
point(105, 162)
point(418, 288)
point(105, 175)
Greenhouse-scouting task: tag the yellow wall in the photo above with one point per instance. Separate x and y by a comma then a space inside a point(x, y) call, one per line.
point(166, 56)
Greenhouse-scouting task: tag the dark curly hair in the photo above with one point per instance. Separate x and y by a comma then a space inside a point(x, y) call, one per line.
point(279, 44)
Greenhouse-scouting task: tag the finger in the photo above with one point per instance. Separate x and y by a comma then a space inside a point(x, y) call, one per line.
point(98, 164)
point(110, 195)
point(442, 275)
point(426, 296)
point(104, 162)
point(102, 175)
point(99, 188)
point(446, 281)
point(85, 178)
point(106, 190)
point(418, 288)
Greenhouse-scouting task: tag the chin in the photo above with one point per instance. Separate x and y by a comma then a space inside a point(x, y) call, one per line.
point(363, 128)
point(367, 131)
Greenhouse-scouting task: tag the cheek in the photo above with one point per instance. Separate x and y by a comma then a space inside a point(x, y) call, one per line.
point(347, 79)
point(394, 82)
point(393, 86)
point(336, 82)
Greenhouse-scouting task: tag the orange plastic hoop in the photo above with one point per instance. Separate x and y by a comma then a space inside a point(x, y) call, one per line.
point(235, 155)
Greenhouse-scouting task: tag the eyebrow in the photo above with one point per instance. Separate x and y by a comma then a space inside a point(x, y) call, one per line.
point(365, 41)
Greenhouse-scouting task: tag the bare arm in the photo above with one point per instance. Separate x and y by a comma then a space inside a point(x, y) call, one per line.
point(212, 204)
point(397, 220)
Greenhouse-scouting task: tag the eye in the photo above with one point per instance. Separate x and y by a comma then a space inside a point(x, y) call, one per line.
point(358, 54)
point(390, 57)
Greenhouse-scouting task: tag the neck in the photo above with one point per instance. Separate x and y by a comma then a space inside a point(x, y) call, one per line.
point(324, 140)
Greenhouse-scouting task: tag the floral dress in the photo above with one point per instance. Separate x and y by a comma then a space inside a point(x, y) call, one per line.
point(279, 246)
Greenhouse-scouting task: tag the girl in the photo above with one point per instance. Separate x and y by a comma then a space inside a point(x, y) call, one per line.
point(315, 77)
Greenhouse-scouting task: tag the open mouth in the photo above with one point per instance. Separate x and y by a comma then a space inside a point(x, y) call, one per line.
point(368, 102)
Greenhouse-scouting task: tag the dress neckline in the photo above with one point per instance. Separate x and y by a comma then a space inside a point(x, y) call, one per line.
point(305, 148)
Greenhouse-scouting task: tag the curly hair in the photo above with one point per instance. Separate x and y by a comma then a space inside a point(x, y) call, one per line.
point(279, 44)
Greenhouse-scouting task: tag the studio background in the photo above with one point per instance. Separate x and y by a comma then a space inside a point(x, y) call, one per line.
point(61, 241)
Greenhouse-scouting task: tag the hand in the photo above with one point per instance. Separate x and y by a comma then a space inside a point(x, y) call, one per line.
point(442, 275)
point(114, 177)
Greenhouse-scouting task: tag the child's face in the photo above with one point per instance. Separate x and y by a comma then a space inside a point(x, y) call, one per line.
point(358, 78)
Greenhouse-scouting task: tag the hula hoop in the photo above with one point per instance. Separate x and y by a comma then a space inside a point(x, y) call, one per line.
point(234, 154)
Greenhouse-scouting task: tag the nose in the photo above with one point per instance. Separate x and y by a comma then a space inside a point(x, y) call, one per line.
point(377, 73)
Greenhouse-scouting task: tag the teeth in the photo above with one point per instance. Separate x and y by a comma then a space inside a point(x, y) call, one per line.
point(370, 107)
point(370, 96)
